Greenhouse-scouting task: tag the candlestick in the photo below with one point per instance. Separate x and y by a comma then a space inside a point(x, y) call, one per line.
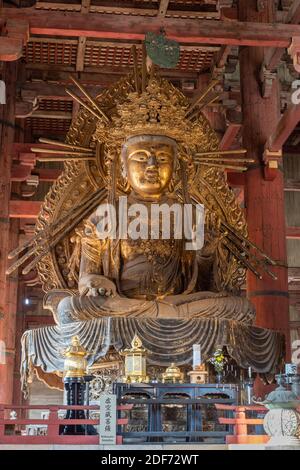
point(249, 372)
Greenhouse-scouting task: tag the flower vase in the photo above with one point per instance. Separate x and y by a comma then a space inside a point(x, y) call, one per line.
point(219, 377)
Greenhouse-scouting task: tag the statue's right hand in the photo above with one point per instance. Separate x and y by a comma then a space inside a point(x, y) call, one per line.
point(94, 285)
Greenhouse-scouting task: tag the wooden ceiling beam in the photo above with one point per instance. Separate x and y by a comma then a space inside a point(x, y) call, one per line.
point(118, 43)
point(130, 27)
point(100, 75)
point(162, 11)
point(45, 114)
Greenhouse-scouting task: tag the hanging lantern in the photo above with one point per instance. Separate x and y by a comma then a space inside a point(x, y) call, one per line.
point(135, 362)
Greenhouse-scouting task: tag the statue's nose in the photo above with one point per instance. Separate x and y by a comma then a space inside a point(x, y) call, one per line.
point(152, 162)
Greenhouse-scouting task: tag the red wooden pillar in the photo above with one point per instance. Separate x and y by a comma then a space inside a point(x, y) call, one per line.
point(8, 236)
point(264, 199)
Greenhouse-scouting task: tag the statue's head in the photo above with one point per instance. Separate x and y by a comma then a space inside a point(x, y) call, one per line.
point(148, 162)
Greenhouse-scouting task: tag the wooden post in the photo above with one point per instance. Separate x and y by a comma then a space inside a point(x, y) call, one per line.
point(240, 428)
point(7, 289)
point(18, 398)
point(53, 428)
point(264, 199)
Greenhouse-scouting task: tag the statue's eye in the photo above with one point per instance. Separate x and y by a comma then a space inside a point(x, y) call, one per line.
point(162, 157)
point(140, 157)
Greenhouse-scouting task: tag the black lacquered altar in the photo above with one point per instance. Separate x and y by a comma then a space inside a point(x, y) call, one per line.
point(175, 412)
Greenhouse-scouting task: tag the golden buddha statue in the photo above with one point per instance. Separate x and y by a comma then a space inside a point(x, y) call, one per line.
point(141, 144)
point(149, 277)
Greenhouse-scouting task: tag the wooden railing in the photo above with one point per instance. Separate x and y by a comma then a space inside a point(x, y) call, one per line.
point(240, 424)
point(10, 429)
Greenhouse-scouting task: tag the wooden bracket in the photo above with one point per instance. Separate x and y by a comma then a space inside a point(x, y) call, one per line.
point(28, 104)
point(16, 35)
point(266, 81)
point(271, 161)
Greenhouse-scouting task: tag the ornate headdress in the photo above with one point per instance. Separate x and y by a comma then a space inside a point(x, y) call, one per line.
point(156, 111)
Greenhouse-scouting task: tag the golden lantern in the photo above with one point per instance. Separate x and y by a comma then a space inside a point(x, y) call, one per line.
point(172, 374)
point(75, 364)
point(135, 362)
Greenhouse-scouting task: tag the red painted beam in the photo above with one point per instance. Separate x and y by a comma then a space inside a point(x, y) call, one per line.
point(24, 209)
point(22, 151)
point(22, 173)
point(230, 136)
point(107, 26)
point(285, 127)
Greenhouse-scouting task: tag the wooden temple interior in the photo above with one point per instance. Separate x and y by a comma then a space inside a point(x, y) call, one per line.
point(250, 47)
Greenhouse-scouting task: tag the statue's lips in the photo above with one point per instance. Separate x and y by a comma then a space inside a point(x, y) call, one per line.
point(151, 176)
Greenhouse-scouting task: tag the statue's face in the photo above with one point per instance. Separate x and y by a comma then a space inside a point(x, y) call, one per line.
point(149, 163)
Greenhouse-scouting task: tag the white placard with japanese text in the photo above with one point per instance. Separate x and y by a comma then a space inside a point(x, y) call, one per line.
point(108, 419)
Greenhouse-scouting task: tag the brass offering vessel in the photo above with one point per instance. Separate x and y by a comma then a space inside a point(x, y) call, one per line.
point(172, 374)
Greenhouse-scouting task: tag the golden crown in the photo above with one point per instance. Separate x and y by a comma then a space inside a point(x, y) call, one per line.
point(159, 110)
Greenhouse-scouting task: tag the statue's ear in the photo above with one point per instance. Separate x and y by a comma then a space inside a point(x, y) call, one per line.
point(123, 169)
point(171, 186)
point(123, 181)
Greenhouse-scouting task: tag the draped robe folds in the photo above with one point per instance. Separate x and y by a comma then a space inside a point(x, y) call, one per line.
point(166, 341)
